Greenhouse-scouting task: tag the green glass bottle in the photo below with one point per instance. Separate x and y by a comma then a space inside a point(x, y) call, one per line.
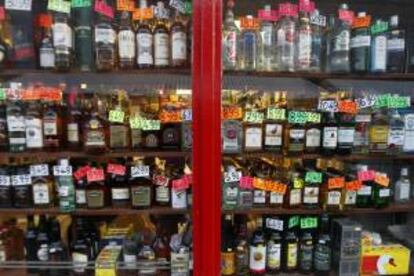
point(364, 194)
point(83, 38)
point(381, 195)
point(230, 188)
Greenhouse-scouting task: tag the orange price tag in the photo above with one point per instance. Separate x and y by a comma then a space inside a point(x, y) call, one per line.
point(140, 14)
point(353, 185)
point(336, 183)
point(51, 94)
point(249, 23)
point(231, 113)
point(276, 187)
point(361, 21)
point(125, 5)
point(259, 183)
point(347, 106)
point(30, 94)
point(170, 116)
point(44, 20)
point(382, 179)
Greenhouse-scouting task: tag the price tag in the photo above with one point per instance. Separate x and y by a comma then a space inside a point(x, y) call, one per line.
point(246, 182)
point(298, 117)
point(379, 27)
point(21, 179)
point(142, 14)
point(276, 187)
point(353, 185)
point(366, 102)
point(313, 177)
point(51, 94)
point(170, 116)
point(293, 222)
point(2, 14)
point(187, 114)
point(188, 7)
point(259, 183)
point(382, 101)
point(298, 183)
point(399, 102)
point(313, 117)
point(188, 178)
point(366, 175)
point(178, 5)
point(116, 169)
point(274, 113)
point(160, 180)
point(328, 105)
point(347, 106)
point(5, 180)
point(308, 223)
point(232, 176)
point(62, 170)
point(59, 6)
point(81, 172)
point(336, 183)
point(180, 184)
point(116, 116)
point(140, 171)
point(18, 5)
point(103, 8)
point(231, 113)
point(39, 170)
point(81, 3)
point(136, 123)
point(125, 5)
point(318, 19)
point(151, 125)
point(253, 117)
point(2, 94)
point(95, 175)
point(267, 15)
point(275, 224)
point(382, 179)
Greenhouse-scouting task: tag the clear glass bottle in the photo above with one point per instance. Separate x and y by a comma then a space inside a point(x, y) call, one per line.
point(379, 46)
point(396, 53)
point(105, 42)
point(161, 39)
point(62, 42)
point(341, 37)
point(395, 133)
point(145, 39)
point(178, 42)
point(267, 33)
point(249, 44)
point(126, 42)
point(304, 38)
point(231, 36)
point(286, 37)
point(402, 188)
point(361, 43)
point(318, 23)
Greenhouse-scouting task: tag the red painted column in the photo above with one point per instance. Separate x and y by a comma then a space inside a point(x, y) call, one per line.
point(207, 136)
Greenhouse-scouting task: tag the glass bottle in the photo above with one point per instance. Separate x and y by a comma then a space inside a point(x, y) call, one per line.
point(230, 189)
point(329, 134)
point(80, 193)
point(327, 45)
point(318, 23)
point(171, 135)
point(232, 136)
point(105, 42)
point(249, 44)
point(379, 46)
point(66, 188)
point(141, 185)
point(295, 138)
point(361, 138)
point(81, 251)
point(119, 130)
point(381, 195)
point(349, 196)
point(43, 188)
point(253, 137)
point(294, 192)
point(62, 42)
point(396, 133)
point(57, 250)
point(231, 36)
point(341, 37)
point(323, 248)
point(161, 180)
point(378, 133)
point(260, 197)
point(136, 133)
point(266, 54)
point(97, 193)
point(126, 42)
point(306, 248)
point(30, 242)
point(360, 43)
point(313, 137)
point(396, 53)
point(274, 253)
point(257, 250)
point(5, 45)
point(94, 129)
point(402, 187)
point(332, 193)
point(161, 39)
point(346, 133)
point(82, 17)
point(242, 252)
point(304, 38)
point(245, 196)
point(144, 37)
point(22, 187)
point(6, 199)
point(228, 257)
point(52, 126)
point(74, 121)
point(46, 50)
point(42, 242)
point(273, 129)
point(178, 42)
point(120, 192)
point(311, 192)
point(364, 194)
point(285, 37)
point(34, 126)
point(16, 126)
point(290, 250)
point(4, 139)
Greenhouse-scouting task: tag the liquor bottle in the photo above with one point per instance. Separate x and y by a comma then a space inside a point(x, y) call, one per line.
point(379, 46)
point(42, 242)
point(294, 191)
point(186, 136)
point(43, 187)
point(396, 53)
point(311, 190)
point(273, 129)
point(178, 42)
point(22, 187)
point(396, 133)
point(141, 185)
point(402, 188)
point(94, 128)
point(74, 121)
point(161, 39)
point(275, 198)
point(290, 249)
point(274, 252)
point(378, 133)
point(349, 196)
point(62, 42)
point(346, 133)
point(249, 44)
point(120, 193)
point(381, 194)
point(151, 139)
point(130, 252)
point(144, 37)
point(364, 194)
point(329, 134)
point(52, 126)
point(136, 133)
point(295, 133)
point(65, 186)
point(318, 23)
point(105, 42)
point(4, 139)
point(228, 256)
point(253, 137)
point(80, 248)
point(304, 37)
point(34, 126)
point(323, 249)
point(231, 36)
point(245, 196)
point(161, 180)
point(266, 54)
point(260, 197)
point(57, 250)
point(242, 250)
point(230, 189)
point(171, 136)
point(46, 49)
point(16, 126)
point(257, 250)
point(332, 193)
point(408, 133)
point(306, 247)
point(82, 17)
point(232, 136)
point(313, 137)
point(146, 254)
point(80, 193)
point(361, 43)
point(361, 138)
point(126, 42)
point(97, 193)
point(119, 130)
point(286, 34)
point(30, 242)
point(6, 199)
point(341, 37)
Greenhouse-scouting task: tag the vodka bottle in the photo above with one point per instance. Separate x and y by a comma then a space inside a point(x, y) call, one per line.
point(286, 34)
point(402, 187)
point(318, 23)
point(249, 44)
point(267, 35)
point(361, 43)
point(379, 47)
point(340, 62)
point(304, 38)
point(231, 35)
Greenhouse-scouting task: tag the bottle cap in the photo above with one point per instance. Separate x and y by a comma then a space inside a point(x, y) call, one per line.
point(404, 171)
point(394, 20)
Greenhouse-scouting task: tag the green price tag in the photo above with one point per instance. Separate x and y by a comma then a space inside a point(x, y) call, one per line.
point(313, 177)
point(298, 183)
point(59, 6)
point(379, 27)
point(188, 7)
point(81, 3)
point(298, 117)
point(116, 116)
point(313, 117)
point(308, 223)
point(399, 102)
point(253, 117)
point(136, 123)
point(382, 100)
point(151, 125)
point(274, 113)
point(2, 94)
point(293, 221)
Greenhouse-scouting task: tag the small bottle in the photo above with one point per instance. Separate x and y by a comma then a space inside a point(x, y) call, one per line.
point(161, 40)
point(286, 34)
point(105, 42)
point(304, 38)
point(144, 37)
point(341, 37)
point(249, 44)
point(402, 188)
point(396, 53)
point(361, 43)
point(126, 42)
point(231, 36)
point(62, 42)
point(257, 250)
point(379, 46)
point(178, 42)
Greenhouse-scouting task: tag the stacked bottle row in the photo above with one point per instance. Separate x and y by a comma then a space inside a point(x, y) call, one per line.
point(299, 38)
point(135, 183)
point(51, 241)
point(339, 124)
point(36, 119)
point(105, 37)
point(310, 184)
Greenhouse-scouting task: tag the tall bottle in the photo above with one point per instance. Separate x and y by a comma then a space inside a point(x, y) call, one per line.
point(105, 41)
point(318, 23)
point(228, 257)
point(346, 131)
point(22, 187)
point(339, 60)
point(126, 42)
point(43, 186)
point(65, 187)
point(306, 251)
point(57, 249)
point(30, 242)
point(274, 252)
point(304, 37)
point(42, 242)
point(74, 121)
point(34, 126)
point(62, 42)
point(379, 132)
point(364, 194)
point(6, 190)
point(381, 193)
point(16, 126)
point(361, 43)
point(286, 34)
point(329, 134)
point(94, 129)
point(242, 254)
point(118, 182)
point(141, 185)
point(267, 32)
point(82, 17)
point(161, 39)
point(119, 130)
point(52, 125)
point(178, 42)
point(231, 36)
point(290, 249)
point(144, 37)
point(402, 188)
point(396, 53)
point(379, 46)
point(323, 248)
point(80, 248)
point(230, 189)
point(249, 44)
point(257, 250)
point(46, 49)
point(4, 139)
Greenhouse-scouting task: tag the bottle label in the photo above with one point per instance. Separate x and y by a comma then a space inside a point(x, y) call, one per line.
point(304, 48)
point(80, 197)
point(144, 47)
point(292, 255)
point(346, 135)
point(276, 198)
point(295, 196)
point(311, 195)
point(126, 44)
point(361, 41)
point(273, 255)
point(253, 137)
point(80, 262)
point(180, 263)
point(50, 124)
point(334, 198)
point(350, 197)
point(41, 194)
point(297, 134)
point(379, 58)
point(257, 258)
point(15, 123)
point(106, 36)
point(73, 132)
point(179, 46)
point(230, 47)
point(365, 190)
point(396, 44)
point(120, 193)
point(228, 266)
point(313, 138)
point(396, 136)
point(330, 137)
point(273, 135)
point(141, 196)
point(342, 41)
point(384, 193)
point(179, 199)
point(43, 253)
point(95, 198)
point(118, 136)
point(378, 134)
point(34, 134)
point(259, 197)
point(47, 57)
point(322, 257)
point(162, 194)
point(161, 49)
point(404, 191)
point(62, 35)
point(95, 138)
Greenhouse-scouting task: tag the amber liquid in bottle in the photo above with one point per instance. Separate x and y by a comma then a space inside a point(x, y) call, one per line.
point(141, 186)
point(97, 194)
point(74, 122)
point(105, 45)
point(94, 129)
point(161, 41)
point(178, 42)
point(119, 131)
point(52, 126)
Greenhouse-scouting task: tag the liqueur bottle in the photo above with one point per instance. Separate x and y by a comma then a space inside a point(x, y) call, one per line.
point(52, 126)
point(178, 42)
point(396, 53)
point(80, 193)
point(105, 42)
point(34, 126)
point(161, 39)
point(341, 37)
point(178, 195)
point(62, 42)
point(260, 197)
point(249, 44)
point(231, 36)
point(361, 138)
point(141, 185)
point(304, 37)
point(126, 42)
point(118, 127)
point(16, 126)
point(361, 43)
point(333, 186)
point(144, 37)
point(82, 17)
point(257, 250)
point(364, 194)
point(381, 194)
point(245, 200)
point(379, 46)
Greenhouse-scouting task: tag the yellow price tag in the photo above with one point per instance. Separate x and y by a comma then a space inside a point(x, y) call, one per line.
point(116, 116)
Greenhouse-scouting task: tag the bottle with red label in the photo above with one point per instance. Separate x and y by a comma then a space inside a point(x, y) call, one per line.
point(257, 250)
point(117, 181)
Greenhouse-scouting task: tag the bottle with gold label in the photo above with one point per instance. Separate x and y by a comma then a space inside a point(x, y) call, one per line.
point(140, 184)
point(118, 127)
point(378, 133)
point(97, 194)
point(94, 128)
point(228, 256)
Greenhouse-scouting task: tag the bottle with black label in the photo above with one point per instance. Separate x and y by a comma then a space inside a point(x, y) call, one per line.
point(323, 248)
point(346, 133)
point(52, 126)
point(257, 250)
point(171, 136)
point(329, 134)
point(42, 242)
point(178, 42)
point(126, 42)
point(74, 121)
point(145, 41)
point(82, 17)
point(361, 43)
point(4, 140)
point(22, 187)
point(62, 42)
point(141, 185)
point(105, 44)
point(396, 53)
point(6, 199)
point(16, 126)
point(161, 39)
point(34, 126)
point(306, 247)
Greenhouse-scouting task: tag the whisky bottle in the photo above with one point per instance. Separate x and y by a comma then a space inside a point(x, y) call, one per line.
point(230, 189)
point(273, 129)
point(329, 134)
point(161, 180)
point(144, 36)
point(346, 133)
point(96, 192)
point(94, 129)
point(274, 250)
point(178, 196)
point(82, 17)
point(105, 42)
point(62, 42)
point(22, 187)
point(253, 137)
point(295, 138)
point(34, 126)
point(396, 133)
point(311, 193)
point(136, 133)
point(46, 50)
point(65, 186)
point(74, 121)
point(260, 197)
point(6, 199)
point(52, 126)
point(294, 191)
point(313, 138)
point(228, 256)
point(30, 242)
point(290, 249)
point(306, 251)
point(349, 196)
point(378, 133)
point(231, 136)
point(242, 250)
point(178, 42)
point(16, 126)
point(402, 188)
point(333, 186)
point(126, 42)
point(245, 200)
point(141, 185)
point(80, 193)
point(42, 185)
point(361, 139)
point(171, 135)
point(119, 130)
point(161, 39)
point(186, 135)
point(117, 181)
point(323, 248)
point(257, 250)
point(42, 242)
point(4, 139)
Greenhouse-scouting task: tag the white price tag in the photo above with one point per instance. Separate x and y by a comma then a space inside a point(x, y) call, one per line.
point(4, 180)
point(328, 105)
point(318, 19)
point(39, 170)
point(140, 171)
point(161, 13)
point(366, 102)
point(232, 176)
point(19, 5)
point(187, 114)
point(275, 224)
point(62, 170)
point(21, 179)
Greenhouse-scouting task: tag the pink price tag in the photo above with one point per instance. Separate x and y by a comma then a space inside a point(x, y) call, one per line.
point(94, 175)
point(267, 15)
point(81, 172)
point(102, 8)
point(246, 182)
point(116, 169)
point(180, 184)
point(188, 178)
point(366, 175)
point(160, 180)
point(305, 6)
point(2, 14)
point(347, 16)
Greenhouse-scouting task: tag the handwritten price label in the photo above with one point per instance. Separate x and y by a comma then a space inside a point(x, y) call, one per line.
point(140, 171)
point(39, 170)
point(103, 8)
point(5, 180)
point(298, 183)
point(366, 102)
point(95, 175)
point(116, 169)
point(366, 175)
point(318, 19)
point(125, 5)
point(353, 185)
point(382, 101)
point(313, 117)
point(180, 184)
point(116, 116)
point(328, 106)
point(399, 102)
point(143, 14)
point(187, 115)
point(253, 117)
point(275, 224)
point(298, 117)
point(81, 3)
point(62, 170)
point(151, 125)
point(293, 222)
point(19, 5)
point(231, 113)
point(160, 180)
point(170, 116)
point(232, 176)
point(382, 179)
point(59, 6)
point(136, 123)
point(246, 182)
point(348, 106)
point(81, 172)
point(308, 223)
point(21, 179)
point(269, 185)
point(313, 177)
point(274, 113)
point(336, 183)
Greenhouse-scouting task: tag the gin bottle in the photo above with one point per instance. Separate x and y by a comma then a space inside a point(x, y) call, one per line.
point(231, 35)
point(267, 36)
point(249, 44)
point(286, 34)
point(402, 187)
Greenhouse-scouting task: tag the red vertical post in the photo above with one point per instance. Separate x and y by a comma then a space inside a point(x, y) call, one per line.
point(207, 136)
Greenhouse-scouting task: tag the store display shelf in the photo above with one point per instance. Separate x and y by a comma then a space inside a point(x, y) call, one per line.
point(109, 211)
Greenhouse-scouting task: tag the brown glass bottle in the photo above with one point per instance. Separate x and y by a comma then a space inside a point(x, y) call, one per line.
point(74, 121)
point(119, 130)
point(161, 40)
point(162, 193)
point(141, 185)
point(97, 193)
point(94, 129)
point(126, 42)
point(178, 42)
point(52, 126)
point(34, 126)
point(120, 194)
point(22, 187)
point(145, 41)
